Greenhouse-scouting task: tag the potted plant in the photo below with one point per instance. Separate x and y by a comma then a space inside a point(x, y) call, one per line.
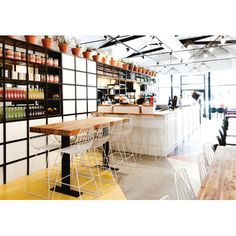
point(140, 69)
point(135, 68)
point(131, 66)
point(125, 65)
point(113, 62)
point(87, 53)
point(105, 60)
point(30, 39)
point(62, 43)
point(47, 41)
point(97, 57)
point(76, 47)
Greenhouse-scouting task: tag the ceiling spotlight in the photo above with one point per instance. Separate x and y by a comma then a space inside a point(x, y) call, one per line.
point(223, 40)
point(211, 49)
point(190, 46)
point(153, 37)
point(160, 43)
point(181, 60)
point(157, 63)
point(127, 49)
point(205, 54)
point(186, 64)
point(164, 66)
point(171, 53)
point(105, 37)
point(143, 56)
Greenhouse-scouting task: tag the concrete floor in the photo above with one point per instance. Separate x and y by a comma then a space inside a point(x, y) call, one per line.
point(149, 179)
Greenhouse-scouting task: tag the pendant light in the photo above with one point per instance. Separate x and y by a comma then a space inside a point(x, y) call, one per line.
point(223, 40)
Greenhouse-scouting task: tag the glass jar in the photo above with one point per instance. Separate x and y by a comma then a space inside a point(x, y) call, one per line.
point(23, 56)
point(49, 61)
point(56, 79)
point(17, 55)
point(9, 53)
point(43, 60)
point(38, 59)
point(43, 78)
point(55, 62)
point(31, 58)
point(50, 78)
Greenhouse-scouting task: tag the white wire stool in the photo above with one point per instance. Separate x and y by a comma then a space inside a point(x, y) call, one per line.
point(40, 143)
point(78, 155)
point(115, 150)
point(202, 166)
point(151, 133)
point(184, 189)
point(125, 141)
point(99, 162)
point(208, 153)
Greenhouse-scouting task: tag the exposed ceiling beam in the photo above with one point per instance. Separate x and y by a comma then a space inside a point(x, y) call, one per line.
point(145, 52)
point(194, 62)
point(186, 50)
point(215, 42)
point(113, 42)
point(193, 39)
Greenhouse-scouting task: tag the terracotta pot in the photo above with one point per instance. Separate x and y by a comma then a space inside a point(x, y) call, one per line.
point(63, 47)
point(140, 70)
point(135, 69)
point(145, 71)
point(150, 73)
point(87, 54)
point(75, 51)
point(30, 39)
point(125, 66)
point(105, 60)
point(97, 58)
point(47, 42)
point(131, 67)
point(113, 62)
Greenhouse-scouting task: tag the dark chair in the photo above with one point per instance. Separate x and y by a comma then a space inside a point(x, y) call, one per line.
point(213, 110)
point(214, 147)
point(220, 110)
point(224, 130)
point(220, 141)
point(222, 136)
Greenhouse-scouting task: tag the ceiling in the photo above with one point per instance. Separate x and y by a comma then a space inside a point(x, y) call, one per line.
point(168, 54)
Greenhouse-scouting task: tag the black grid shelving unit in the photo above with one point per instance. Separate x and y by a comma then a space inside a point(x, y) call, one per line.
point(49, 89)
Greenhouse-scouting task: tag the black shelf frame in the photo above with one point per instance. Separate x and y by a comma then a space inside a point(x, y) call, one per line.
point(27, 47)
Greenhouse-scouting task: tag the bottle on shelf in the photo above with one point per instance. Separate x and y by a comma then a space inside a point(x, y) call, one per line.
point(14, 113)
point(36, 93)
point(34, 111)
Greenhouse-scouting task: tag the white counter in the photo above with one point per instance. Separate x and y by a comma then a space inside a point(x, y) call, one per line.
point(158, 133)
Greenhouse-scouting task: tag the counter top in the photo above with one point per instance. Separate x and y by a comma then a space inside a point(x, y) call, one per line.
point(157, 113)
point(126, 105)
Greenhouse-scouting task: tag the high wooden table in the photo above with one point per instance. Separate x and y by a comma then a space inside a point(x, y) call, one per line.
point(71, 128)
point(220, 182)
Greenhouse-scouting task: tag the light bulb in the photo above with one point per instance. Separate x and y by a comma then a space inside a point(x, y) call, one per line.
point(189, 46)
point(205, 54)
point(211, 49)
point(223, 40)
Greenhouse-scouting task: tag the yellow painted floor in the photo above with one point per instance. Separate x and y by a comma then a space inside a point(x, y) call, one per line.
point(36, 185)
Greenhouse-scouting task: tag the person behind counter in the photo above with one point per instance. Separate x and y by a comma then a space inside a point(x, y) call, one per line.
point(141, 100)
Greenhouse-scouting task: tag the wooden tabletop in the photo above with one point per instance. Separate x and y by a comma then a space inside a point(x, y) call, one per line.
point(220, 182)
point(70, 128)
